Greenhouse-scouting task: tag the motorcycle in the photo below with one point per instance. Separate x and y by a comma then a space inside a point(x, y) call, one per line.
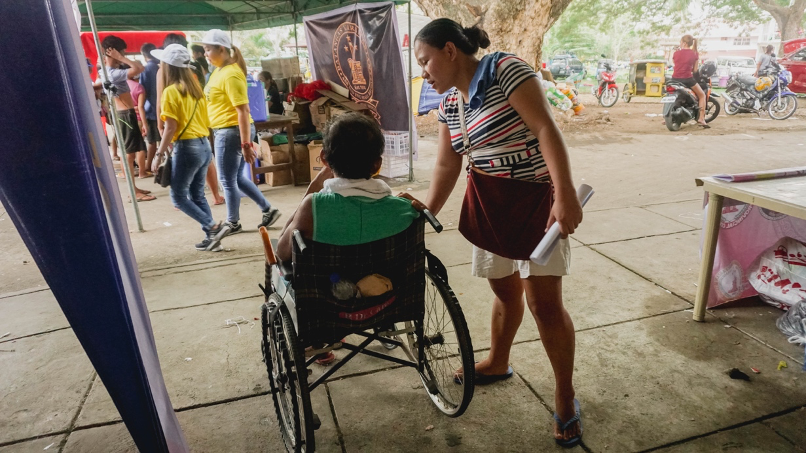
point(607, 92)
point(756, 94)
point(680, 104)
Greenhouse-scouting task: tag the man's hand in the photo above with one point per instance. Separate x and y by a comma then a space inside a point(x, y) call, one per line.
point(155, 163)
point(113, 53)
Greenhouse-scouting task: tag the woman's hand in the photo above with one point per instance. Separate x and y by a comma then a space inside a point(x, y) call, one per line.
point(155, 163)
point(416, 204)
point(249, 154)
point(567, 212)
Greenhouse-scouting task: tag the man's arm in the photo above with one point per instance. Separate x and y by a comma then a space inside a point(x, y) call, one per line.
point(135, 67)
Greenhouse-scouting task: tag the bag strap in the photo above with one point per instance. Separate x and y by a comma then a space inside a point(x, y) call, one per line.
point(463, 124)
point(179, 137)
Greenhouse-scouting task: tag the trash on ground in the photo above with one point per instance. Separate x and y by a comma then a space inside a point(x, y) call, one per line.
point(49, 446)
point(793, 323)
point(188, 359)
point(652, 115)
point(4, 335)
point(782, 365)
point(755, 371)
point(736, 374)
point(775, 273)
point(238, 321)
point(429, 427)
point(166, 224)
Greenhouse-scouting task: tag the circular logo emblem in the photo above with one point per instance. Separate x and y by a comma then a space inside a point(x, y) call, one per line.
point(350, 58)
point(733, 215)
point(771, 215)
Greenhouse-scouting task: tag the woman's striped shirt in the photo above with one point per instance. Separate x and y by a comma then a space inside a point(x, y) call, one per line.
point(500, 142)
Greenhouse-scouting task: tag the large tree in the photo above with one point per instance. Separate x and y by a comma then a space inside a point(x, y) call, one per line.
point(788, 14)
point(515, 26)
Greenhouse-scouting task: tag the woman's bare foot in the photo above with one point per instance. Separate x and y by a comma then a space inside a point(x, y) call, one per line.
point(484, 368)
point(564, 406)
point(218, 200)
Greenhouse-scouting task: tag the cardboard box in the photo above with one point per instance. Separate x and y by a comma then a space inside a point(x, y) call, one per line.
point(330, 105)
point(314, 148)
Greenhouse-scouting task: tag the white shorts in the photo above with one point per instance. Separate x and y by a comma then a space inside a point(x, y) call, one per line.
point(491, 266)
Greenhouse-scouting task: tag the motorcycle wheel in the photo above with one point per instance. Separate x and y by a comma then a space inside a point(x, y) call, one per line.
point(609, 97)
point(731, 109)
point(671, 125)
point(625, 93)
point(783, 107)
point(711, 109)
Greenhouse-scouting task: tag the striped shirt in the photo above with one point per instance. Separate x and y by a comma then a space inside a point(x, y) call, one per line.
point(500, 142)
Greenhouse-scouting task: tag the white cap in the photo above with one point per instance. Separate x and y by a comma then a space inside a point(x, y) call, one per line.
point(175, 55)
point(216, 37)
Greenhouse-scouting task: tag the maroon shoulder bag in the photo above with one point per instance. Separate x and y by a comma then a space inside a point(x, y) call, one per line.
point(502, 215)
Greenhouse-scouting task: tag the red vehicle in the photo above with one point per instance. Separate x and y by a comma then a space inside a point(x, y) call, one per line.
point(794, 61)
point(607, 92)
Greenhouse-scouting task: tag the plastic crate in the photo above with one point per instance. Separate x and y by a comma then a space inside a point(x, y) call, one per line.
point(395, 166)
point(397, 144)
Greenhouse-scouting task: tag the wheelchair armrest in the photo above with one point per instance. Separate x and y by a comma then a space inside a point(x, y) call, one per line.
point(300, 241)
point(432, 220)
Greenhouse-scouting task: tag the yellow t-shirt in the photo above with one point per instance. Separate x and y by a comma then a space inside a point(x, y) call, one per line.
point(180, 108)
point(225, 90)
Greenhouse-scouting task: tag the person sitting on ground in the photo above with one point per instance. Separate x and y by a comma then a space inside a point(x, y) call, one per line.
point(344, 205)
point(275, 102)
point(113, 48)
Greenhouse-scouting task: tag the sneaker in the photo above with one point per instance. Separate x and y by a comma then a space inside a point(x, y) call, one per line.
point(270, 217)
point(234, 227)
point(213, 241)
point(206, 243)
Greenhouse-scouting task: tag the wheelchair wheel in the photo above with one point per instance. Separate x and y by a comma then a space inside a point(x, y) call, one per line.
point(446, 348)
point(288, 377)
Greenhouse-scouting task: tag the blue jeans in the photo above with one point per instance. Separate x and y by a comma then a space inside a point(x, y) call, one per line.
point(230, 163)
point(189, 168)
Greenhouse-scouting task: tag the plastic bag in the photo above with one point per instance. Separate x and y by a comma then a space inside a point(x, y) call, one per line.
point(779, 274)
point(793, 323)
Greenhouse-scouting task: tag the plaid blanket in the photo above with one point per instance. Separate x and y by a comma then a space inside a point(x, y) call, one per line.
point(321, 318)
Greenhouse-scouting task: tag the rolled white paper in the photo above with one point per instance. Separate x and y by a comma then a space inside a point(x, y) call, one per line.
point(546, 246)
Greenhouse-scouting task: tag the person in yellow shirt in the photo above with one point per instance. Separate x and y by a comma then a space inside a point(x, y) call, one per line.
point(228, 109)
point(183, 108)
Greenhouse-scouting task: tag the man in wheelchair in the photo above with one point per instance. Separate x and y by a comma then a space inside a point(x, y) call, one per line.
point(344, 205)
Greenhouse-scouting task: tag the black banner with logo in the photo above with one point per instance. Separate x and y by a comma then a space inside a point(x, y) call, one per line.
point(357, 47)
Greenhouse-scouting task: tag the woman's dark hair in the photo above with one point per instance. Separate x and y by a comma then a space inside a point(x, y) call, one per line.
point(174, 38)
point(265, 76)
point(352, 145)
point(113, 42)
point(441, 31)
point(197, 49)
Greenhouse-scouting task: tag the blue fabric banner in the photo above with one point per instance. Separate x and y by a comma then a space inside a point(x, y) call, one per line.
point(58, 186)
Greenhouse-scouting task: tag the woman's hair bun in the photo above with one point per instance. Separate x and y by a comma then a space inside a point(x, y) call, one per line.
point(477, 36)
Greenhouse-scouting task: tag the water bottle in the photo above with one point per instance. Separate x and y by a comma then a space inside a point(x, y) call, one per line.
point(342, 288)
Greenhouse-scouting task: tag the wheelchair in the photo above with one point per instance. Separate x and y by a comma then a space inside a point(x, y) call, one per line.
point(302, 321)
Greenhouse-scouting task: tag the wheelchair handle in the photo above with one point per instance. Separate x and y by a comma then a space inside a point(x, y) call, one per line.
point(300, 241)
point(431, 219)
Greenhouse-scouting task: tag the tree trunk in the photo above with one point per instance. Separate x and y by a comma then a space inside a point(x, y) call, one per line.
point(515, 26)
point(788, 18)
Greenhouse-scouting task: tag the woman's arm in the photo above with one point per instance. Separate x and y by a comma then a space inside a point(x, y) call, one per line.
point(530, 102)
point(141, 107)
point(170, 129)
point(158, 107)
point(302, 220)
point(246, 133)
point(446, 172)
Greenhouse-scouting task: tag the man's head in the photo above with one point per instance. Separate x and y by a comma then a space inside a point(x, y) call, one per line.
point(174, 38)
point(769, 49)
point(352, 146)
point(112, 42)
point(146, 49)
point(198, 51)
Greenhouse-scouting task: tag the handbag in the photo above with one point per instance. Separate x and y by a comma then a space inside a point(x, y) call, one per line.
point(163, 175)
point(505, 216)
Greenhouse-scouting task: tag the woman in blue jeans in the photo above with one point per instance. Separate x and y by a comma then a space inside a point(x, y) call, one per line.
point(184, 111)
point(228, 109)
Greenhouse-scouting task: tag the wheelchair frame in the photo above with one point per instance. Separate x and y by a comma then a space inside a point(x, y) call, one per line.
point(280, 301)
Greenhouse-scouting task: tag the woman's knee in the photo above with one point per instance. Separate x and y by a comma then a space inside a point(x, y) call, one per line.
point(508, 289)
point(544, 295)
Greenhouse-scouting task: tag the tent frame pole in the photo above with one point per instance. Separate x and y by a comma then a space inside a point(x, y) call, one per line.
point(411, 114)
point(118, 137)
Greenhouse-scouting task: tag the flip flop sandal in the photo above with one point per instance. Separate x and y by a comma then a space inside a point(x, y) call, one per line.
point(145, 198)
point(573, 441)
point(704, 126)
point(484, 379)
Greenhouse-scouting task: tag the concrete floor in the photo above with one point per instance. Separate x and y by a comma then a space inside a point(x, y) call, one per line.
point(647, 376)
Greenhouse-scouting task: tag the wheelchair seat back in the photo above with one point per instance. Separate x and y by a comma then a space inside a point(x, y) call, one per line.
point(322, 318)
